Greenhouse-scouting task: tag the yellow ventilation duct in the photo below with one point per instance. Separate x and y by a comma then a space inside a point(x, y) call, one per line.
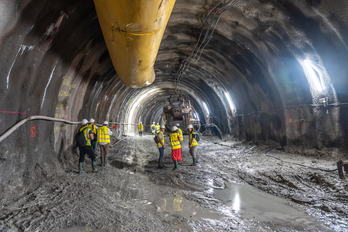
point(133, 30)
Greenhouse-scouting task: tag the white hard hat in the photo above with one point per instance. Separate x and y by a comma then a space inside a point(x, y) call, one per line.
point(153, 122)
point(157, 123)
point(91, 120)
point(141, 123)
point(174, 128)
point(177, 125)
point(84, 121)
point(163, 127)
point(106, 123)
point(190, 126)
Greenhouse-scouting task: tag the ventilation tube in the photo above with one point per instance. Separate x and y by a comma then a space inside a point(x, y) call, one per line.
point(133, 31)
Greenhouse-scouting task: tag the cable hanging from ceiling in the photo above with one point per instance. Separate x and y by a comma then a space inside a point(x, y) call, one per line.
point(209, 26)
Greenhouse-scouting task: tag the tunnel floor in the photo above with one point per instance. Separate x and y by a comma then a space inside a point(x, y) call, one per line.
point(234, 187)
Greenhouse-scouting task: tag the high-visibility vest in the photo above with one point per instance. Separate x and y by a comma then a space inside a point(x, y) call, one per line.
point(140, 127)
point(86, 133)
point(160, 132)
point(180, 133)
point(103, 136)
point(158, 127)
point(194, 142)
point(92, 128)
point(175, 143)
point(153, 128)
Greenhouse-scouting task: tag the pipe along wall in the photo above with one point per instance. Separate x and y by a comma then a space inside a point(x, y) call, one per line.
point(272, 71)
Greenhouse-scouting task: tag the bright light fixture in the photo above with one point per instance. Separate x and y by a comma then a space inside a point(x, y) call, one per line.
point(206, 108)
point(230, 102)
point(312, 75)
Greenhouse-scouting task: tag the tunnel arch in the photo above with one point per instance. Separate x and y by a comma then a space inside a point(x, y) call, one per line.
point(257, 56)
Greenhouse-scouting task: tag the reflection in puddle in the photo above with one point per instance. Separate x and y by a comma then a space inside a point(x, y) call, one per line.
point(255, 204)
point(185, 208)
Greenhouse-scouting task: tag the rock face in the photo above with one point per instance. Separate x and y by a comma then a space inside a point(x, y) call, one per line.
point(270, 71)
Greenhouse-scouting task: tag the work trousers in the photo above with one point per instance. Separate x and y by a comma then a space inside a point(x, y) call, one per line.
point(176, 154)
point(161, 151)
point(104, 150)
point(86, 150)
point(94, 144)
point(193, 151)
point(141, 133)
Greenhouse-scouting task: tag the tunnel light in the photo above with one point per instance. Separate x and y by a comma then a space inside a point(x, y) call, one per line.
point(312, 75)
point(206, 108)
point(230, 102)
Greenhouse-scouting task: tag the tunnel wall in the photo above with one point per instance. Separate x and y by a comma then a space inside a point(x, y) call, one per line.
point(54, 62)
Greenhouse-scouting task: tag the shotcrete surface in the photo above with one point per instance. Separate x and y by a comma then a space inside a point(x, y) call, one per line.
point(234, 187)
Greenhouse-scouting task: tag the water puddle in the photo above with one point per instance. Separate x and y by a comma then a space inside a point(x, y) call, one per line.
point(255, 204)
point(170, 206)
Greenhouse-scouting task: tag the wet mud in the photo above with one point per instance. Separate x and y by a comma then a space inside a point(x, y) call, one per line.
point(234, 187)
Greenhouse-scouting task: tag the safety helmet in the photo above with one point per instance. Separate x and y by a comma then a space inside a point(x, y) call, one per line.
point(91, 120)
point(84, 121)
point(153, 122)
point(163, 127)
point(177, 125)
point(106, 123)
point(157, 123)
point(174, 128)
point(141, 123)
point(190, 126)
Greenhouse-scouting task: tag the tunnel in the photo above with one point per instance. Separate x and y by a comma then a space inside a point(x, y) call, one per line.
point(270, 77)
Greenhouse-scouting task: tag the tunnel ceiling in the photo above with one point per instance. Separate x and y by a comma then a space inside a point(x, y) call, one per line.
point(271, 71)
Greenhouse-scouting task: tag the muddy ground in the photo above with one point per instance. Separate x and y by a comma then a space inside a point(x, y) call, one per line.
point(131, 194)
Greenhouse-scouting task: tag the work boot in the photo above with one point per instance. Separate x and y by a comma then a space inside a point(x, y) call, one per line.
point(194, 162)
point(94, 166)
point(176, 165)
point(162, 165)
point(80, 168)
point(105, 161)
point(159, 163)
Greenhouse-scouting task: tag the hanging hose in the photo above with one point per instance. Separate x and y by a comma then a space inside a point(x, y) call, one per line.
point(20, 123)
point(320, 169)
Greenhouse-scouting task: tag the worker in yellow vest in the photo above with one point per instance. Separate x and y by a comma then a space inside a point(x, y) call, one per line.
point(174, 139)
point(192, 144)
point(161, 146)
point(180, 132)
point(87, 149)
point(141, 129)
point(93, 128)
point(104, 143)
point(153, 128)
point(157, 128)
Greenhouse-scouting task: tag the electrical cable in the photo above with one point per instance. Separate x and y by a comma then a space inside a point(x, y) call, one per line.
point(200, 45)
point(36, 117)
point(319, 169)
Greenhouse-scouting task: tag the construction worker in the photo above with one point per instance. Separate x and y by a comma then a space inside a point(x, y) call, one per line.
point(153, 128)
point(174, 139)
point(157, 127)
point(161, 146)
point(180, 132)
point(192, 144)
point(104, 142)
point(87, 149)
point(93, 128)
point(141, 129)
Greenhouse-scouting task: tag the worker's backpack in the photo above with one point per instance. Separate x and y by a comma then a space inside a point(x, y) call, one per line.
point(156, 139)
point(80, 138)
point(198, 137)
